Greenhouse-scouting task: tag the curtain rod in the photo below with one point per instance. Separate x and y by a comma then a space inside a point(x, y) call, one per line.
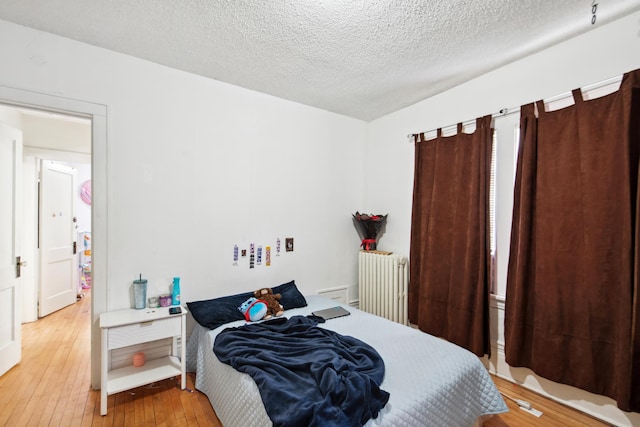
point(513, 110)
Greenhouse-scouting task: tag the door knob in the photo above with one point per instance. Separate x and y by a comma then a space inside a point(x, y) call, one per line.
point(19, 265)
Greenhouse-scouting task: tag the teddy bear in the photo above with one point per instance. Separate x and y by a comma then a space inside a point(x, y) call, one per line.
point(273, 301)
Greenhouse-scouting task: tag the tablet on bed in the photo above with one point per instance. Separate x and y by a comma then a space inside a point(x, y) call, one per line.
point(331, 313)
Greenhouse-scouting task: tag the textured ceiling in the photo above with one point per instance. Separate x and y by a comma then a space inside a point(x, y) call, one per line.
point(359, 58)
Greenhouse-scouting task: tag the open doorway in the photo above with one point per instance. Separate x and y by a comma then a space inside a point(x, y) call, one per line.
point(56, 179)
point(97, 115)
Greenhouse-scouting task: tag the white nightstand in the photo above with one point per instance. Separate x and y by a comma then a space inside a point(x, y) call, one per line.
point(125, 328)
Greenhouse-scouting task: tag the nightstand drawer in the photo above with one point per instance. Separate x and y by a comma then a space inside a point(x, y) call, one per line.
point(123, 336)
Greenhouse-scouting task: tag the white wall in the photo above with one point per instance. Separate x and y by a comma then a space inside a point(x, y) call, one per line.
point(195, 166)
point(605, 52)
point(57, 132)
point(10, 116)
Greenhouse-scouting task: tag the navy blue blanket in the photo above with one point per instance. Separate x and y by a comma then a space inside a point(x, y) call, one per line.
point(307, 376)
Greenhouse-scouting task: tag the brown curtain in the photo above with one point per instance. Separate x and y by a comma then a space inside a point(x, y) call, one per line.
point(572, 288)
point(448, 287)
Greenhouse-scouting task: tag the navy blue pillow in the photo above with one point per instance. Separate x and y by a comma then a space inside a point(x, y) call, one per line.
point(215, 312)
point(291, 296)
point(218, 311)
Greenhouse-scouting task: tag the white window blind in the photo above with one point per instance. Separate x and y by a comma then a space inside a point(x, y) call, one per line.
point(492, 215)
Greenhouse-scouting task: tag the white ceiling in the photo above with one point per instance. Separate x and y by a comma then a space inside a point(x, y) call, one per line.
point(359, 58)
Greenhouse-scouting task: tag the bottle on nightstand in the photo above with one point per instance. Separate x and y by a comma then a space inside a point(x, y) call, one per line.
point(175, 292)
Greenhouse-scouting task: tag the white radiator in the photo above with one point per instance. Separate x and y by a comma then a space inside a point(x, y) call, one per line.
point(383, 282)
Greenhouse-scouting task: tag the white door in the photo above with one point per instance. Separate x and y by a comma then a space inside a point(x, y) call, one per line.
point(10, 246)
point(58, 266)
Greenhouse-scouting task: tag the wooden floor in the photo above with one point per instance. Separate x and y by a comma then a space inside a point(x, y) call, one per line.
point(52, 384)
point(51, 387)
point(553, 413)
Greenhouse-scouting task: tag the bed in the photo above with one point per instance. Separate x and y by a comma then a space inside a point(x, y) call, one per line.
point(430, 381)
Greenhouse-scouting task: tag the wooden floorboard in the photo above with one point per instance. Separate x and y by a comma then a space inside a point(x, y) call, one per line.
point(52, 387)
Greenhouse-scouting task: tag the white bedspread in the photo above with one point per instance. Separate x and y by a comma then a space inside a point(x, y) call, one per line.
point(431, 381)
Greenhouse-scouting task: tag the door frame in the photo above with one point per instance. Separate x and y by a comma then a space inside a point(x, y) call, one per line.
point(99, 204)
